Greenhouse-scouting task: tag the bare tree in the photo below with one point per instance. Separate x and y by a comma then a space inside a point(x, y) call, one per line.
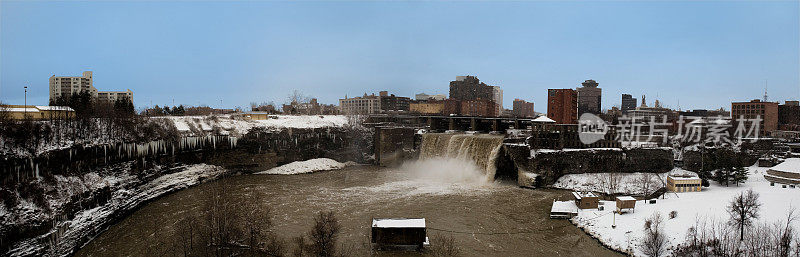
point(324, 234)
point(186, 233)
point(743, 209)
point(444, 246)
point(322, 237)
point(784, 234)
point(654, 243)
point(645, 183)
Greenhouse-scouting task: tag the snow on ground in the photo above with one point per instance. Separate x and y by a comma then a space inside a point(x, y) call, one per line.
point(625, 183)
point(690, 206)
point(230, 125)
point(308, 166)
point(309, 121)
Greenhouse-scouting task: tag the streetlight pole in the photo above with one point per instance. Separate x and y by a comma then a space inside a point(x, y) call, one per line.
point(25, 107)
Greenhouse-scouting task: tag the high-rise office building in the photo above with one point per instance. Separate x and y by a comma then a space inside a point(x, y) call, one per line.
point(589, 97)
point(628, 103)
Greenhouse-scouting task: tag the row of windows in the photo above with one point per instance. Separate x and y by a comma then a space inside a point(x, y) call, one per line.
point(748, 106)
point(687, 185)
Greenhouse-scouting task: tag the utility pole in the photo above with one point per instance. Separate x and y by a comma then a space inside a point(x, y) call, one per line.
point(25, 109)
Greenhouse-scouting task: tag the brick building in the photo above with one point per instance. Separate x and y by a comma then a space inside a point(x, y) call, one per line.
point(522, 108)
point(479, 107)
point(427, 107)
point(393, 104)
point(470, 88)
point(562, 106)
point(767, 111)
point(789, 116)
point(451, 106)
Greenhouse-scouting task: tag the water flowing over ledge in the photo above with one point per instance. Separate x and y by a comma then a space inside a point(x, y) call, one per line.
point(480, 149)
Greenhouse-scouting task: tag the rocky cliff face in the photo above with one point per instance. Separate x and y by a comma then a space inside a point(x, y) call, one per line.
point(53, 203)
point(549, 165)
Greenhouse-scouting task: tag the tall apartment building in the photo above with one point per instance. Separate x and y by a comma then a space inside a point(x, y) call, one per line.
point(589, 97)
point(562, 105)
point(67, 86)
point(470, 88)
point(628, 103)
point(112, 96)
point(367, 104)
point(497, 97)
point(767, 111)
point(523, 108)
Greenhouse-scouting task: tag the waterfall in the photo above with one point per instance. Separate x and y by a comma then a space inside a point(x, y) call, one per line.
point(479, 149)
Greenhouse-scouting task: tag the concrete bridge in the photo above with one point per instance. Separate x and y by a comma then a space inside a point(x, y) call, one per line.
point(443, 123)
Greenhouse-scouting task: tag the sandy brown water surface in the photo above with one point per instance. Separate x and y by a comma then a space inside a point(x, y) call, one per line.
point(485, 219)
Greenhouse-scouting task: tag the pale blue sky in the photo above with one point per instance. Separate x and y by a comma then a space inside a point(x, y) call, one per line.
point(704, 53)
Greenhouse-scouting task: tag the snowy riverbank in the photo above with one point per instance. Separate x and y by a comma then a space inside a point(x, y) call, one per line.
point(690, 207)
point(127, 193)
point(612, 183)
point(308, 166)
point(234, 126)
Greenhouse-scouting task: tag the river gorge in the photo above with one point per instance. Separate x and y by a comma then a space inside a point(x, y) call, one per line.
point(484, 218)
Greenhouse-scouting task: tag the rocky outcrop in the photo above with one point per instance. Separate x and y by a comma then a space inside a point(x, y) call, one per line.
point(549, 165)
point(55, 202)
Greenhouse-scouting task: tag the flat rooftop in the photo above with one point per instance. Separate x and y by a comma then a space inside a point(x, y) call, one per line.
point(790, 165)
point(398, 223)
point(564, 207)
point(626, 198)
point(580, 195)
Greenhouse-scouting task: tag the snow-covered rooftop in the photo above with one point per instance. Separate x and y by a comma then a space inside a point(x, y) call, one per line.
point(626, 198)
point(580, 195)
point(16, 109)
point(544, 119)
point(684, 177)
point(54, 108)
point(791, 165)
point(564, 207)
point(399, 223)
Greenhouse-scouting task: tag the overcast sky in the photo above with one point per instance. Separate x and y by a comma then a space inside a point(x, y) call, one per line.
point(696, 55)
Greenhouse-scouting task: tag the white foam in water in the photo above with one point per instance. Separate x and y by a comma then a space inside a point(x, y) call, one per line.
point(446, 170)
point(434, 176)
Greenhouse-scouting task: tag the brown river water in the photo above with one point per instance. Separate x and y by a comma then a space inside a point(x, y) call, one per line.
point(484, 218)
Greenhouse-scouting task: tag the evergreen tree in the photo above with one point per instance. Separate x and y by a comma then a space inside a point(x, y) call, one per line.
point(739, 175)
point(723, 176)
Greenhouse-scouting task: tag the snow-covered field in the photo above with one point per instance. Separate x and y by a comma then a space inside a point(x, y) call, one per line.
point(690, 207)
point(623, 183)
point(308, 166)
point(229, 125)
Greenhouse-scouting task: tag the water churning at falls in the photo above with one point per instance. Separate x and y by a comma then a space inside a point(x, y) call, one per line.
point(456, 153)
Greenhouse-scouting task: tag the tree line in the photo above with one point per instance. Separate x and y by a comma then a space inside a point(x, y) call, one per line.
point(94, 122)
point(741, 235)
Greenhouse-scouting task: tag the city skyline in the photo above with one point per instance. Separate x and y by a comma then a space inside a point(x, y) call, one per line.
point(677, 52)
